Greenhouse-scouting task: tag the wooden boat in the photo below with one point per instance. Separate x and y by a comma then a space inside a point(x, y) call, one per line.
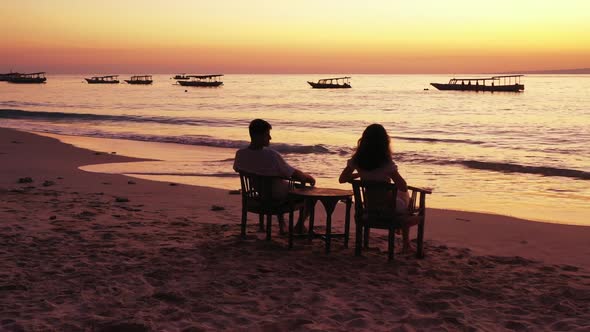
point(332, 83)
point(202, 80)
point(28, 78)
point(503, 83)
point(7, 76)
point(109, 79)
point(140, 79)
point(180, 77)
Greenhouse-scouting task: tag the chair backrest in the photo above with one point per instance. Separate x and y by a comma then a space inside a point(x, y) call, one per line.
point(374, 198)
point(257, 187)
point(261, 187)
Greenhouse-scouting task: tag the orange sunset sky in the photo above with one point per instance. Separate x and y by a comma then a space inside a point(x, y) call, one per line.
point(303, 36)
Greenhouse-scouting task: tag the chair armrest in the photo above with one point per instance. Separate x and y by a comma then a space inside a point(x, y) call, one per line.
point(420, 190)
point(418, 200)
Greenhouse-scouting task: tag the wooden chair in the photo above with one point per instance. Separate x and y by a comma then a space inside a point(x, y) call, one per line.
point(373, 209)
point(257, 198)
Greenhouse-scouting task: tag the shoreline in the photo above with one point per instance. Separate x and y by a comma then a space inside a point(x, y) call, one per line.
point(133, 149)
point(97, 251)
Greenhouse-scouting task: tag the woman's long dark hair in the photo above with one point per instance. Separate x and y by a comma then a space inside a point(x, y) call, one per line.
point(373, 148)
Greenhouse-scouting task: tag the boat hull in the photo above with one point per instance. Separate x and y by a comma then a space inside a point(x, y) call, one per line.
point(91, 81)
point(146, 82)
point(472, 87)
point(20, 80)
point(7, 77)
point(197, 83)
point(329, 86)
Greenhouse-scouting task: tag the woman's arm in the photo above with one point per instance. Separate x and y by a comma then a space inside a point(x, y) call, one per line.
point(399, 181)
point(347, 175)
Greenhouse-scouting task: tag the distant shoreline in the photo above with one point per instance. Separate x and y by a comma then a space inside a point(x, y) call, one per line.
point(578, 71)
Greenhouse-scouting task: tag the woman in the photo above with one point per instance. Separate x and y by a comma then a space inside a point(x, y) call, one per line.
point(373, 161)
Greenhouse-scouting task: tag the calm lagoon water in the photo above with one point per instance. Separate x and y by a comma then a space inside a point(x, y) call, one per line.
point(520, 154)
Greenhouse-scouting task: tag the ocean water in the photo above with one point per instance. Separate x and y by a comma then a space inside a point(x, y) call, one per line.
point(520, 154)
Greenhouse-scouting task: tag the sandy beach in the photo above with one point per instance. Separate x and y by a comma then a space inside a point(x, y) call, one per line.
point(83, 251)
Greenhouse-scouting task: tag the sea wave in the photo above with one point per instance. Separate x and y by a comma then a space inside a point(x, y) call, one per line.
point(503, 167)
point(222, 143)
point(516, 168)
point(18, 114)
point(438, 140)
point(481, 165)
point(84, 117)
point(200, 140)
point(18, 104)
point(413, 157)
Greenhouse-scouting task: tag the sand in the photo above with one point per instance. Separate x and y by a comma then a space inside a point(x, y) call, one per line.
point(84, 251)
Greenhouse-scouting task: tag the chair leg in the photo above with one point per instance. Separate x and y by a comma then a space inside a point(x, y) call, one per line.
point(268, 226)
point(366, 241)
point(391, 237)
point(290, 229)
point(244, 219)
point(347, 223)
point(301, 218)
point(281, 218)
point(420, 240)
point(359, 239)
point(261, 222)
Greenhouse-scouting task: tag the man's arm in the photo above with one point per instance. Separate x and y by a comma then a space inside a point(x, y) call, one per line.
point(303, 177)
point(285, 169)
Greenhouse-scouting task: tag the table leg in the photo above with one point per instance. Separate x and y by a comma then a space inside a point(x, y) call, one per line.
point(328, 232)
point(291, 229)
point(311, 209)
point(347, 222)
point(329, 206)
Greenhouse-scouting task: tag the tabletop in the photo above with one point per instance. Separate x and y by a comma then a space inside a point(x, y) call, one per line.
point(321, 192)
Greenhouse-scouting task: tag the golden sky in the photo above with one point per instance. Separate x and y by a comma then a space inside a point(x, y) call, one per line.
point(302, 36)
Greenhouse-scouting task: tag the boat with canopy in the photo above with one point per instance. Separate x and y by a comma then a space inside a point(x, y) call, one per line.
point(332, 83)
point(140, 79)
point(202, 80)
point(108, 79)
point(506, 83)
point(27, 78)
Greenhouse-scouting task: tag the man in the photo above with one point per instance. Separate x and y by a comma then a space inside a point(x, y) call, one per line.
point(257, 158)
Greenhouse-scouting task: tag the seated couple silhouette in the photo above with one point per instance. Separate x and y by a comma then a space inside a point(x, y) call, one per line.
point(371, 161)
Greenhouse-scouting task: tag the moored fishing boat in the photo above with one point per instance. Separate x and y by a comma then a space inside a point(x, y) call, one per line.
point(27, 78)
point(332, 83)
point(108, 79)
point(502, 83)
point(202, 80)
point(140, 79)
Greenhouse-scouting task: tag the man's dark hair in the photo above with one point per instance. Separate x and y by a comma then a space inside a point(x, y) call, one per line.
point(258, 127)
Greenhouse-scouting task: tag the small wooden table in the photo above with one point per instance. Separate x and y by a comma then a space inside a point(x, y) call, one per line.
point(329, 198)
